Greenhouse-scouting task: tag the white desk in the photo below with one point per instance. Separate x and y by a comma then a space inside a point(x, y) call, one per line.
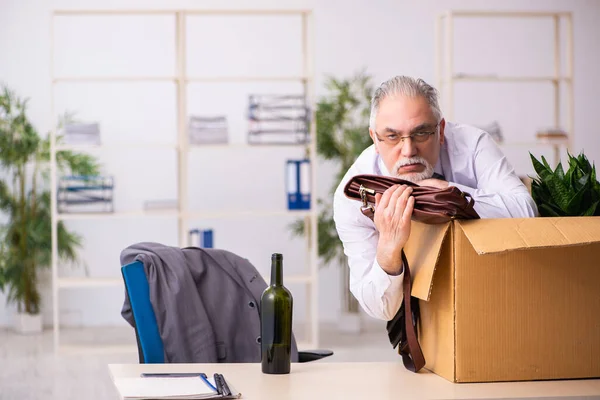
point(389, 380)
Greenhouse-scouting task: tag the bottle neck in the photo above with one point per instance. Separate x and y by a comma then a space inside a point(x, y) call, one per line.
point(276, 271)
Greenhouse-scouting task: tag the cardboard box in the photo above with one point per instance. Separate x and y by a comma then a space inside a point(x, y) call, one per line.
point(508, 299)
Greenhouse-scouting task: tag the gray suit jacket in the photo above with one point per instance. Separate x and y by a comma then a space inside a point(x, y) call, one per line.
point(206, 303)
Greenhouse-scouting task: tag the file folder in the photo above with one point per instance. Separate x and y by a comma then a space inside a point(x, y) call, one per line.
point(298, 184)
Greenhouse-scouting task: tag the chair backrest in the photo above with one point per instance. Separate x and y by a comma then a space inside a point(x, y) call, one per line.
point(150, 345)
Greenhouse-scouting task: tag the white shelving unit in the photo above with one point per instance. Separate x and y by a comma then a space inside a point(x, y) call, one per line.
point(183, 214)
point(447, 77)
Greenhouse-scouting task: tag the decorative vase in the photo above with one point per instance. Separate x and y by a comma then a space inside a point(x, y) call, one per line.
point(28, 323)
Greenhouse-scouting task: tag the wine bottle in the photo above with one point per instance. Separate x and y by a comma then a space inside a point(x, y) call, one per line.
point(276, 322)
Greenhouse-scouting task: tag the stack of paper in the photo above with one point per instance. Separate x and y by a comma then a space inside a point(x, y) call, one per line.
point(282, 119)
point(208, 130)
point(85, 194)
point(167, 388)
point(81, 133)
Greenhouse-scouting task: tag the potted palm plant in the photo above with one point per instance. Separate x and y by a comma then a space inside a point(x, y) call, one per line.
point(25, 237)
point(342, 119)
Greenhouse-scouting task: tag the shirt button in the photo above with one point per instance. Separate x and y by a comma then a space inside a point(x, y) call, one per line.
point(251, 304)
point(258, 340)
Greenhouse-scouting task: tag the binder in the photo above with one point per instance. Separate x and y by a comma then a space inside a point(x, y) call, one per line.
point(176, 386)
point(298, 184)
point(207, 239)
point(201, 238)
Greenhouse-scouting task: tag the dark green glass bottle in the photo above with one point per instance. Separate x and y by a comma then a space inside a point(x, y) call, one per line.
point(276, 322)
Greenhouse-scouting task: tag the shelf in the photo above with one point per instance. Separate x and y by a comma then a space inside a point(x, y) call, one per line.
point(505, 14)
point(495, 78)
point(89, 282)
point(116, 146)
point(184, 11)
point(114, 79)
point(227, 146)
point(246, 12)
point(190, 215)
point(208, 79)
point(529, 144)
point(179, 78)
point(117, 215)
point(252, 213)
point(72, 283)
point(63, 13)
point(128, 146)
point(246, 78)
point(172, 146)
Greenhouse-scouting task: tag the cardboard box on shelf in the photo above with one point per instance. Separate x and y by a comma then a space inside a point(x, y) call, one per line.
point(508, 299)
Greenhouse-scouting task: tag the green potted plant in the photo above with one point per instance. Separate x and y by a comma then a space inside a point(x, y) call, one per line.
point(342, 119)
point(25, 237)
point(574, 192)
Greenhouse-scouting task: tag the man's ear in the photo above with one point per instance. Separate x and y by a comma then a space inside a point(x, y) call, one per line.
point(442, 128)
point(374, 139)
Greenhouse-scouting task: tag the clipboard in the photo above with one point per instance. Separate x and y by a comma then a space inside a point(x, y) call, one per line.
point(165, 386)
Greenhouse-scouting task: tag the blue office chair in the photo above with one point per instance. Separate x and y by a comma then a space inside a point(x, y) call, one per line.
point(150, 345)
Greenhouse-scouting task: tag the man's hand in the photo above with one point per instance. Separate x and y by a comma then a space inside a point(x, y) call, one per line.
point(393, 211)
point(432, 182)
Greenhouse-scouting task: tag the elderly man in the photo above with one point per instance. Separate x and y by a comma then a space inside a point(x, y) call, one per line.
point(412, 141)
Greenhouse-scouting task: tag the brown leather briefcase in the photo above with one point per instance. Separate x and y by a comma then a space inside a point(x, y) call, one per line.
point(432, 206)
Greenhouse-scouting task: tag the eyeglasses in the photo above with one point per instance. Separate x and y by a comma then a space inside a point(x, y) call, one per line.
point(417, 137)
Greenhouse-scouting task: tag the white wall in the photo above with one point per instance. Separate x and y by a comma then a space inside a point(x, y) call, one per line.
point(386, 37)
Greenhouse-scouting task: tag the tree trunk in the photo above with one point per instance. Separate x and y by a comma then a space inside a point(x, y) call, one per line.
point(27, 274)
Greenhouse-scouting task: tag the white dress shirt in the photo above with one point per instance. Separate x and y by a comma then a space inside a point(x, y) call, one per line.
point(469, 160)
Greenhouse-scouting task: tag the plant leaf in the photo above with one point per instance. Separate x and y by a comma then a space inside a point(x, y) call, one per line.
point(592, 210)
point(559, 171)
point(559, 192)
point(542, 171)
point(573, 208)
point(547, 211)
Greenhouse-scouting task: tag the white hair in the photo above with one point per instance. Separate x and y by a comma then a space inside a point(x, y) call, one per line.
point(405, 86)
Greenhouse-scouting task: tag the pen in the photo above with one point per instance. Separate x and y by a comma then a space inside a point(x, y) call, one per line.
point(218, 383)
point(205, 379)
point(226, 390)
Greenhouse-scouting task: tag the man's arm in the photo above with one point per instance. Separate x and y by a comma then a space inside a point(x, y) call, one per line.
point(499, 192)
point(377, 287)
